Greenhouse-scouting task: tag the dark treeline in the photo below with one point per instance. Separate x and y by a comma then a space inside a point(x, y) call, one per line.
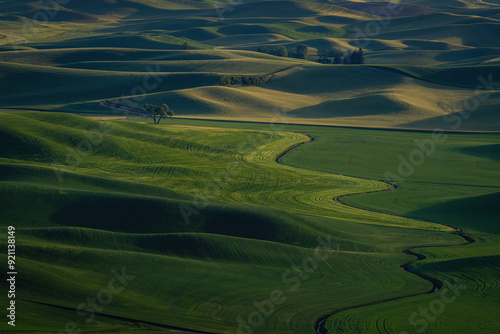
point(337, 56)
point(301, 51)
point(334, 56)
point(242, 80)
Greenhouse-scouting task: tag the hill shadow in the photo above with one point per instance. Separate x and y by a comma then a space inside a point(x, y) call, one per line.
point(485, 151)
point(478, 213)
point(357, 106)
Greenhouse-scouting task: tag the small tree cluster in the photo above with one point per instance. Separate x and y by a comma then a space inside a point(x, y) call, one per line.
point(241, 80)
point(336, 56)
point(158, 112)
point(301, 51)
point(333, 56)
point(280, 51)
point(354, 57)
point(262, 49)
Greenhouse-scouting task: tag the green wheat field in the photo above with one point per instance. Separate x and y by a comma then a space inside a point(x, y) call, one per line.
point(290, 193)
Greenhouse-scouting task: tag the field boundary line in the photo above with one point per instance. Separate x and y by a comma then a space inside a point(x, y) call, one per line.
point(338, 126)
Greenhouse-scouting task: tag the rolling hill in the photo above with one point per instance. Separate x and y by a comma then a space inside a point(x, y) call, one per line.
point(286, 195)
point(433, 56)
point(119, 207)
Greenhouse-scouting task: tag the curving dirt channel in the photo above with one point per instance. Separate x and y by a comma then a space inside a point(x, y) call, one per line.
point(320, 322)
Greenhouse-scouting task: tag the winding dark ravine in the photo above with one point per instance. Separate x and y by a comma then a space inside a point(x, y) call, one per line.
point(320, 322)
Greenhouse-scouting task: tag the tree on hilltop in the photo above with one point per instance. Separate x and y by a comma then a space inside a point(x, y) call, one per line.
point(158, 112)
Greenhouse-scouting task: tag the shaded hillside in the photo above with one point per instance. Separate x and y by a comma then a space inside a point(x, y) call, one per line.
point(90, 51)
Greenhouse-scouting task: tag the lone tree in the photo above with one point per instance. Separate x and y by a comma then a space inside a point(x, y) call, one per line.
point(185, 46)
point(262, 49)
point(302, 51)
point(158, 112)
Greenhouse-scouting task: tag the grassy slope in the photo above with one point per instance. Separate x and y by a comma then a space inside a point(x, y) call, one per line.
point(259, 175)
point(115, 42)
point(313, 94)
point(456, 185)
point(246, 247)
point(461, 36)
